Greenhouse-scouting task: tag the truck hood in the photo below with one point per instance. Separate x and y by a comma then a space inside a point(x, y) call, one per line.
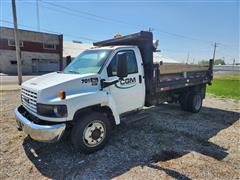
point(47, 86)
point(53, 79)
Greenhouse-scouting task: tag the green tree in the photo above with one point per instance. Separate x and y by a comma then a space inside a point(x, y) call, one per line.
point(203, 62)
point(219, 62)
point(216, 62)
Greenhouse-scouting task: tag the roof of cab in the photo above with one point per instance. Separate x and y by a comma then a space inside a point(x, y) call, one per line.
point(112, 47)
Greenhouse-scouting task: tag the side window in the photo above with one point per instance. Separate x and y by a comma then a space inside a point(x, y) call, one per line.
point(132, 64)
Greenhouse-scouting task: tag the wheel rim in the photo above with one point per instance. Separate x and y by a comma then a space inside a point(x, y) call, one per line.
point(94, 133)
point(197, 102)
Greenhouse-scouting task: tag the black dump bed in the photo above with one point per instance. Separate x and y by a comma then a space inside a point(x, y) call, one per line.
point(161, 78)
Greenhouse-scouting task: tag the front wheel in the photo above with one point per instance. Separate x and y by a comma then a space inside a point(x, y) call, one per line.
point(90, 132)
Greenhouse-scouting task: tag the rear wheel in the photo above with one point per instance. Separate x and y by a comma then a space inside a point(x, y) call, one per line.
point(191, 102)
point(194, 103)
point(91, 132)
point(184, 101)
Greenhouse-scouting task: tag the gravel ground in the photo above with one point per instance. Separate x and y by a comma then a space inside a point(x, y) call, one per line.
point(168, 144)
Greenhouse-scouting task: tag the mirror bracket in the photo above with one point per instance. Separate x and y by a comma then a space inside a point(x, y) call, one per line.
point(105, 83)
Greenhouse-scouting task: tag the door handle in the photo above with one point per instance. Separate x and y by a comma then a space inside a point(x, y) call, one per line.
point(140, 79)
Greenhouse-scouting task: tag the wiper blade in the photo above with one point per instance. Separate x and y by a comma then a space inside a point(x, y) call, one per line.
point(75, 72)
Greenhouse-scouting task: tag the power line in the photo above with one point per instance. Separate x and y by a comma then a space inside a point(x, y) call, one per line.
point(94, 16)
point(100, 18)
point(91, 16)
point(50, 31)
point(72, 13)
point(92, 40)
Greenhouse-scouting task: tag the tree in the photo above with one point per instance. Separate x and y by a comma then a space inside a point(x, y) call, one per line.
point(203, 62)
point(216, 62)
point(219, 62)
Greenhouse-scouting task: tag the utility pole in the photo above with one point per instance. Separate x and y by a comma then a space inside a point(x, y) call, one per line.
point(38, 20)
point(19, 62)
point(234, 61)
point(187, 57)
point(150, 29)
point(214, 51)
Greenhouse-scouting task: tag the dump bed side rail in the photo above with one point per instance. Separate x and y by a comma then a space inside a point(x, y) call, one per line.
point(171, 81)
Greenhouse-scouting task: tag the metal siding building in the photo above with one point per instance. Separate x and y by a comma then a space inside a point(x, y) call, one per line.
point(73, 50)
point(40, 52)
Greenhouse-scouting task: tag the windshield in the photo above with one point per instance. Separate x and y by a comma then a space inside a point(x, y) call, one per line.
point(89, 61)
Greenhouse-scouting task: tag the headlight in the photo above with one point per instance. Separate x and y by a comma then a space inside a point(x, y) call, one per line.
point(52, 110)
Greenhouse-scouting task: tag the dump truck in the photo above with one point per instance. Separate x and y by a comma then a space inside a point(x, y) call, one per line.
point(110, 83)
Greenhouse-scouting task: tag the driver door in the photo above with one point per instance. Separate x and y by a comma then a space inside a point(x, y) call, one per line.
point(128, 93)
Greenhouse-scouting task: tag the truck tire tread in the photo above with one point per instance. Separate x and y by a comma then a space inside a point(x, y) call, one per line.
point(191, 106)
point(78, 129)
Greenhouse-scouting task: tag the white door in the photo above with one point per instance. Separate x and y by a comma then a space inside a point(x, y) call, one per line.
point(129, 93)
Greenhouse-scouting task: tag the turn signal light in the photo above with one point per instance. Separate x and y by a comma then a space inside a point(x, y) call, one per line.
point(62, 95)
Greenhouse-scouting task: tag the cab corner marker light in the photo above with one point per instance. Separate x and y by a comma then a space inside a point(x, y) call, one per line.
point(62, 95)
point(117, 36)
point(94, 47)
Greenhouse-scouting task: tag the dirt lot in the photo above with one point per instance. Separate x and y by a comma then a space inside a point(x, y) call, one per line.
point(168, 144)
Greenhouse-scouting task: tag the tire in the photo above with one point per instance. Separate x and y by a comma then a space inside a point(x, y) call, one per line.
point(90, 132)
point(194, 103)
point(184, 101)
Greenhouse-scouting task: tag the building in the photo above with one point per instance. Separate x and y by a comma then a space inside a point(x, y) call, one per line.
point(157, 58)
point(40, 52)
point(72, 49)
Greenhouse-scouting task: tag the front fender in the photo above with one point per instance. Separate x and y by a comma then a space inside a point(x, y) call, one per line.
point(83, 100)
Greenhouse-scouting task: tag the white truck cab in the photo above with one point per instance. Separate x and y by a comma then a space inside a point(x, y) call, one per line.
point(80, 84)
point(93, 92)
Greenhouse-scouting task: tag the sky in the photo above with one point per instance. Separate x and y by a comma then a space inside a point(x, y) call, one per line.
point(183, 28)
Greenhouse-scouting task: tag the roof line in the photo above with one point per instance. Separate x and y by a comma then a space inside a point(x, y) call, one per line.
point(1, 27)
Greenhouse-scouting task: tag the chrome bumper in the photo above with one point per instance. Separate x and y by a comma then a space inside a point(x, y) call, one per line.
point(42, 133)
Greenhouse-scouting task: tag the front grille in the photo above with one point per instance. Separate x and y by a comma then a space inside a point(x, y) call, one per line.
point(29, 100)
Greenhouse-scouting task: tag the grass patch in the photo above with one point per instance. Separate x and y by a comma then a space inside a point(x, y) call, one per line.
point(226, 86)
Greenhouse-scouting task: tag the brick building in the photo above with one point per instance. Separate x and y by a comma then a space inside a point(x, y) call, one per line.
point(40, 52)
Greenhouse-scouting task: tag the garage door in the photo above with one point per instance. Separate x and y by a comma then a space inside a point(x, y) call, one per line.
point(44, 65)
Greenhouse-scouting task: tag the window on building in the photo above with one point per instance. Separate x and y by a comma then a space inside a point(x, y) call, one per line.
point(11, 42)
point(49, 46)
point(131, 63)
point(13, 62)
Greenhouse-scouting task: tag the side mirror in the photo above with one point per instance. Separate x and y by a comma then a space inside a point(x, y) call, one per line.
point(122, 65)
